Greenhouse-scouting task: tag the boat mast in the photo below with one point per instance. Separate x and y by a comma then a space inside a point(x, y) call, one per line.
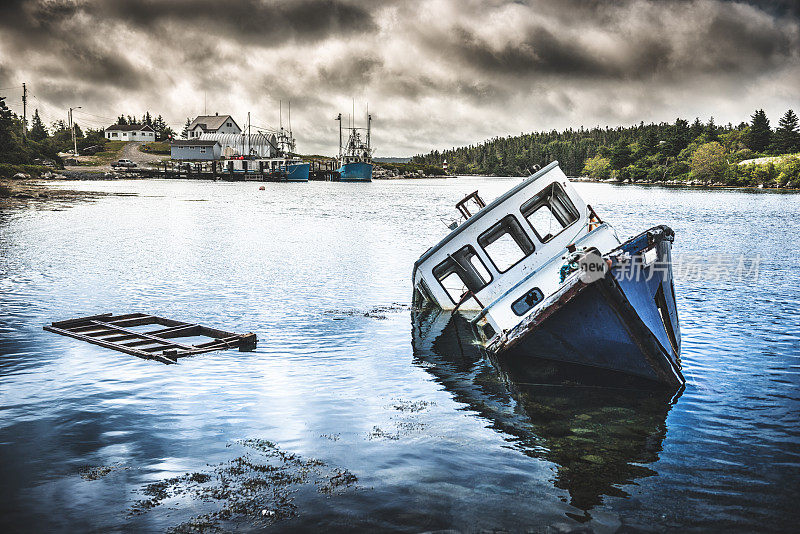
point(369, 126)
point(339, 118)
point(290, 140)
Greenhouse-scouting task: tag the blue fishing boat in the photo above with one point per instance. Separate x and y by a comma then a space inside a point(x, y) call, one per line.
point(544, 277)
point(297, 172)
point(355, 172)
point(285, 166)
point(355, 158)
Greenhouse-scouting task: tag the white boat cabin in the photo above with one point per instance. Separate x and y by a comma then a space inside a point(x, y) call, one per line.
point(506, 258)
point(260, 165)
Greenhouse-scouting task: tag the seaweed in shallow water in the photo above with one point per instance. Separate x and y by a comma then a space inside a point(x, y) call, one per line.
point(256, 487)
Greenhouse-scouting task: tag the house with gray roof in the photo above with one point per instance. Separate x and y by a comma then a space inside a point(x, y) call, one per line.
point(215, 124)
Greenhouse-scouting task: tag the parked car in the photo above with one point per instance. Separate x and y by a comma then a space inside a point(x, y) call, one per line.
point(124, 163)
point(45, 162)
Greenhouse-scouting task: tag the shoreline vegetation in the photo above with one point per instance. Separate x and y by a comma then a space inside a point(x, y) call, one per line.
point(676, 153)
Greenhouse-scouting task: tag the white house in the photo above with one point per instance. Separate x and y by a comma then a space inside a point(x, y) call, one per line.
point(130, 132)
point(195, 149)
point(215, 124)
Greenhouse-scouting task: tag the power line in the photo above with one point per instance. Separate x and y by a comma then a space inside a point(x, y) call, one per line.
point(97, 116)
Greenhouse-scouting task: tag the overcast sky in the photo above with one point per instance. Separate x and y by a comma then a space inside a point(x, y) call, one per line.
point(435, 74)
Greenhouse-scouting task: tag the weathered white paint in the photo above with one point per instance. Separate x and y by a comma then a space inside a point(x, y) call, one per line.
point(540, 269)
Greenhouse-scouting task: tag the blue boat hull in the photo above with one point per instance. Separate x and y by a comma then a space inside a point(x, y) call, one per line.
point(297, 172)
point(355, 172)
point(627, 321)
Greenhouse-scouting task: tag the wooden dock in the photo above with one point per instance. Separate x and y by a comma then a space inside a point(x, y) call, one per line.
point(319, 170)
point(115, 332)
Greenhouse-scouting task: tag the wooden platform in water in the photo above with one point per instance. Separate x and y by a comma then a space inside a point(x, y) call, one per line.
point(162, 344)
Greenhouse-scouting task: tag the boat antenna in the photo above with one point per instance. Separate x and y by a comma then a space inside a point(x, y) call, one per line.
point(280, 113)
point(290, 118)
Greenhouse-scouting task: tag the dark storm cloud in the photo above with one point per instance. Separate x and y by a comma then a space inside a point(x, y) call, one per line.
point(346, 72)
point(263, 22)
point(436, 73)
point(778, 8)
point(34, 18)
point(46, 32)
point(639, 48)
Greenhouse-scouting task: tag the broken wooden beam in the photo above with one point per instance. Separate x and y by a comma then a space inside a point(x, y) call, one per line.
point(114, 332)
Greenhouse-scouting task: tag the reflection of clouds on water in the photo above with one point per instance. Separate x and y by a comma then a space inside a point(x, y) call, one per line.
point(601, 430)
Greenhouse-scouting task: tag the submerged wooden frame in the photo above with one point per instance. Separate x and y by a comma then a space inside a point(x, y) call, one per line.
point(113, 332)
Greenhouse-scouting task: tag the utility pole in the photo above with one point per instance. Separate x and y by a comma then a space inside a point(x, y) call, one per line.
point(72, 127)
point(24, 113)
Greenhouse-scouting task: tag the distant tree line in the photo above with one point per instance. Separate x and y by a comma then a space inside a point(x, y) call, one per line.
point(679, 151)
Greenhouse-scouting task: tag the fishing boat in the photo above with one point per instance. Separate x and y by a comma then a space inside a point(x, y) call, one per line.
point(542, 276)
point(277, 169)
point(277, 161)
point(287, 166)
point(355, 158)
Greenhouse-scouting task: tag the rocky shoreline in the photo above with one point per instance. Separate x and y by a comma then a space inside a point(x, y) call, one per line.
point(27, 192)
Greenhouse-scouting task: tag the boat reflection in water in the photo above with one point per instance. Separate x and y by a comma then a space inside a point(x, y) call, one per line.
point(601, 429)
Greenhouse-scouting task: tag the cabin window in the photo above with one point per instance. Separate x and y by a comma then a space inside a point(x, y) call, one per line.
point(506, 243)
point(522, 305)
point(461, 272)
point(550, 212)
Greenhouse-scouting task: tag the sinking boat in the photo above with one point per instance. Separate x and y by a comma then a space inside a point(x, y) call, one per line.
point(355, 158)
point(542, 276)
point(600, 429)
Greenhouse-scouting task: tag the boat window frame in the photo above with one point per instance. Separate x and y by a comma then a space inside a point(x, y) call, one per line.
point(570, 207)
point(454, 269)
point(493, 228)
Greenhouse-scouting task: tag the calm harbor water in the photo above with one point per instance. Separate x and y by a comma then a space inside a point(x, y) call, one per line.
point(349, 415)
